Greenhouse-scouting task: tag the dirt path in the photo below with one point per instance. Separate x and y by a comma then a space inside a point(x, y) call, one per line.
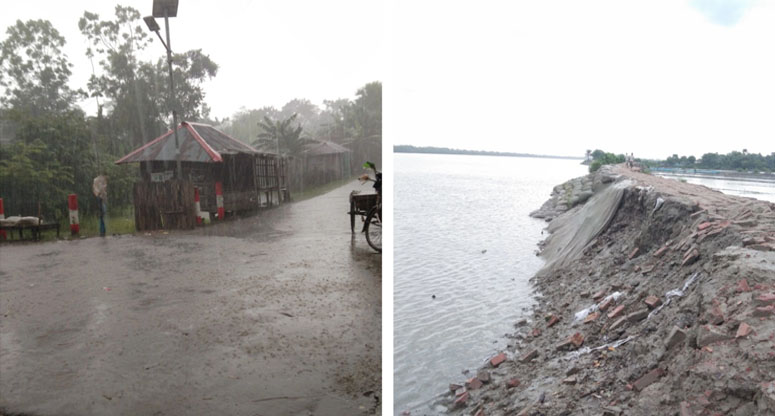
point(278, 314)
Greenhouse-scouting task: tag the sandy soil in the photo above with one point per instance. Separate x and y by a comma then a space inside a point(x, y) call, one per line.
point(668, 310)
point(276, 314)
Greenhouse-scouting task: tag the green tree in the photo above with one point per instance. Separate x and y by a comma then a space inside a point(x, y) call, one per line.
point(33, 69)
point(307, 114)
point(282, 134)
point(244, 125)
point(137, 92)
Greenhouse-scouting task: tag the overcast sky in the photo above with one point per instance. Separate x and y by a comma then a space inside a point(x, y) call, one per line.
point(553, 77)
point(268, 51)
point(558, 77)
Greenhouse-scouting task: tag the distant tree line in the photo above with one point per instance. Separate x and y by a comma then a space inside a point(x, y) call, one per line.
point(735, 160)
point(403, 148)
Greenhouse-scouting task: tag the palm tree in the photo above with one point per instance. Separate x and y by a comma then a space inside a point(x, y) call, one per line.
point(280, 134)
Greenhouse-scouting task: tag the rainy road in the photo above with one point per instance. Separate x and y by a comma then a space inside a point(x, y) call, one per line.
point(276, 314)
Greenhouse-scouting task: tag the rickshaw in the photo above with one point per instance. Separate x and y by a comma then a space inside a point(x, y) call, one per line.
point(369, 208)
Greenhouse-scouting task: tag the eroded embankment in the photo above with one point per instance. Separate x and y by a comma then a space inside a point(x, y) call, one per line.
point(658, 298)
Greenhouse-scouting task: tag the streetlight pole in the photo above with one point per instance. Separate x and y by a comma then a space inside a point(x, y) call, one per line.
point(167, 9)
point(172, 94)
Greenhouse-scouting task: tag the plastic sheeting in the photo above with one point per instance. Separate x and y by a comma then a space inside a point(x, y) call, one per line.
point(571, 232)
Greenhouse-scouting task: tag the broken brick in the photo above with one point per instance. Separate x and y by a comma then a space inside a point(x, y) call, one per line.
point(529, 356)
point(752, 240)
point(676, 336)
point(704, 225)
point(652, 301)
point(454, 387)
point(743, 330)
point(764, 311)
point(633, 253)
point(461, 401)
point(765, 299)
point(606, 303)
point(618, 323)
point(638, 315)
point(479, 412)
point(598, 295)
point(708, 335)
point(616, 312)
point(569, 380)
point(742, 286)
point(573, 342)
point(483, 376)
point(661, 251)
point(512, 382)
point(577, 339)
point(714, 315)
point(591, 317)
point(536, 332)
point(552, 320)
point(498, 359)
point(473, 383)
point(691, 256)
point(648, 379)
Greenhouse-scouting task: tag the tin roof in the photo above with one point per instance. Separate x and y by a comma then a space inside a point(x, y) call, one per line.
point(198, 143)
point(319, 147)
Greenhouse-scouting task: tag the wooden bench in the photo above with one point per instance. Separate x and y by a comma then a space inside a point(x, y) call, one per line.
point(34, 229)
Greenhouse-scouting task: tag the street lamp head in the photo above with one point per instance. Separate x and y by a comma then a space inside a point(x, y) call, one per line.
point(151, 23)
point(160, 6)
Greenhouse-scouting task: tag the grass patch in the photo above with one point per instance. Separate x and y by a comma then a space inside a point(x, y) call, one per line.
point(122, 222)
point(319, 190)
point(115, 224)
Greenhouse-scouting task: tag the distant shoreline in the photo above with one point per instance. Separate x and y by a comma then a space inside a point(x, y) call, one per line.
point(447, 151)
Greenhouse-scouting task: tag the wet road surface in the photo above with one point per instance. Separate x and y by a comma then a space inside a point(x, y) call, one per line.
point(275, 314)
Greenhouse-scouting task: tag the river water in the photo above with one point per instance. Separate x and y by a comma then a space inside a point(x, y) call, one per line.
point(462, 234)
point(448, 210)
point(759, 189)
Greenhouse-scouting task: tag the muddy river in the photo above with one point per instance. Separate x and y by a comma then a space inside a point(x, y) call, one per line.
point(463, 235)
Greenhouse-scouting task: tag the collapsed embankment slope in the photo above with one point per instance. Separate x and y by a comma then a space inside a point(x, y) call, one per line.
point(658, 298)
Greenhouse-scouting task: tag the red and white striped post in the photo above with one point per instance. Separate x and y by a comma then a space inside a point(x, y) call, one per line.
point(219, 199)
point(72, 205)
point(2, 217)
point(197, 207)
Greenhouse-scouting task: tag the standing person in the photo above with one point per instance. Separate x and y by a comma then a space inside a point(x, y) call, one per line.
point(100, 189)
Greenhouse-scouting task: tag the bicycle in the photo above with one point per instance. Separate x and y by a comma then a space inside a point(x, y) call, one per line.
point(372, 226)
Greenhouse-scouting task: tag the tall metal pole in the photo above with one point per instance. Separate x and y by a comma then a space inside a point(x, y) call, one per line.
point(172, 92)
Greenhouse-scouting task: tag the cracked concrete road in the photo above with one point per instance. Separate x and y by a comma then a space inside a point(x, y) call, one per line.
point(276, 314)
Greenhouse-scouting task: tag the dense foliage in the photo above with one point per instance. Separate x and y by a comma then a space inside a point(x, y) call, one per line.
point(49, 148)
point(600, 158)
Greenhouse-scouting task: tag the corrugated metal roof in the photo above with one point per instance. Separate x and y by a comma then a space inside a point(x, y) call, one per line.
point(320, 147)
point(198, 143)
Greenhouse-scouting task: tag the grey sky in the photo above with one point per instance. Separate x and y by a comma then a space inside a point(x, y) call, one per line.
point(559, 77)
point(269, 51)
